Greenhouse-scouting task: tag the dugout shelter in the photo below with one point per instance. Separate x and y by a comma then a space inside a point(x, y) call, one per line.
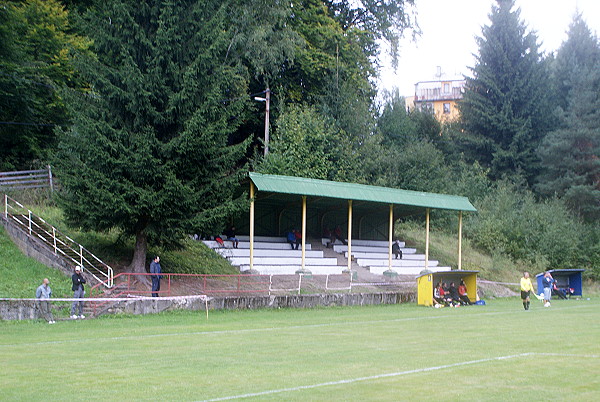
point(427, 281)
point(565, 278)
point(280, 203)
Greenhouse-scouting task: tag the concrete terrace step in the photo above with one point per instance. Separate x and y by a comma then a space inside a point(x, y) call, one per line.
point(291, 269)
point(368, 243)
point(341, 248)
point(257, 245)
point(407, 270)
point(384, 256)
point(283, 261)
point(245, 252)
point(367, 262)
point(262, 239)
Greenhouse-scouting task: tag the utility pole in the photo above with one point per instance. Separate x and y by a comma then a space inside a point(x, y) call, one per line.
point(267, 100)
point(267, 111)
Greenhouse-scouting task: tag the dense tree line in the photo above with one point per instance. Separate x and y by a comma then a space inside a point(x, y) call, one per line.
point(148, 107)
point(159, 142)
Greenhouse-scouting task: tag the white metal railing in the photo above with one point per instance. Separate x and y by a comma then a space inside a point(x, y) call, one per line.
point(57, 241)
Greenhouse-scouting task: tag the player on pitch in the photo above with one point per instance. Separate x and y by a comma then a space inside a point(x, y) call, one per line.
point(526, 289)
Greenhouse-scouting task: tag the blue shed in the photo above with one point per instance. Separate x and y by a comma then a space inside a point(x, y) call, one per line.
point(565, 279)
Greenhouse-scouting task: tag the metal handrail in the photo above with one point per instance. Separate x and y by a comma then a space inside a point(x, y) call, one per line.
point(28, 224)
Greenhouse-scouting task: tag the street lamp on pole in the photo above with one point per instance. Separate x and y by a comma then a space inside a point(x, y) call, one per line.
point(267, 100)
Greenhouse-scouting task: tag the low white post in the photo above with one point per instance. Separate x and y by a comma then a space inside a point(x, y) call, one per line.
point(54, 238)
point(50, 179)
point(111, 275)
point(270, 284)
point(299, 283)
point(29, 222)
point(81, 256)
point(5, 206)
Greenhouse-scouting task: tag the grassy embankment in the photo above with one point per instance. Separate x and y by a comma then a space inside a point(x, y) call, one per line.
point(443, 247)
point(21, 275)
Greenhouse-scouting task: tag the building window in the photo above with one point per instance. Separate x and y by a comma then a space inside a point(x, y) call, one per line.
point(446, 108)
point(428, 107)
point(446, 88)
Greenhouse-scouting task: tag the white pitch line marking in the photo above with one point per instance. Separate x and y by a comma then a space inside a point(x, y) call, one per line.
point(387, 375)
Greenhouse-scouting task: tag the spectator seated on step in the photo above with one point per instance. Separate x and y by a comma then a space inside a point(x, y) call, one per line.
point(454, 296)
point(291, 238)
point(438, 295)
point(298, 237)
point(230, 233)
point(336, 234)
point(219, 241)
point(556, 291)
point(462, 294)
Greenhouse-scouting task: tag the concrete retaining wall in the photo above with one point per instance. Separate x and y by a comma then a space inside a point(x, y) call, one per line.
point(27, 309)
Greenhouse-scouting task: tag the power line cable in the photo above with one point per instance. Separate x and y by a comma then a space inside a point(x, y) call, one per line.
point(18, 123)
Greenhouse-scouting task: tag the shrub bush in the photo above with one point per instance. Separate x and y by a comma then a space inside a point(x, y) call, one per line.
point(510, 220)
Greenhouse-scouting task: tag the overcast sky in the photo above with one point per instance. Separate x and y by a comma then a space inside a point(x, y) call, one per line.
point(450, 27)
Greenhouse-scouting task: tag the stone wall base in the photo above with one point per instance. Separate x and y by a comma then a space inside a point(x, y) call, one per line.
point(28, 309)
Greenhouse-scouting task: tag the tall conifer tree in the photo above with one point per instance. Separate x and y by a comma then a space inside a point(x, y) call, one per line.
point(506, 109)
point(570, 155)
point(149, 150)
point(575, 58)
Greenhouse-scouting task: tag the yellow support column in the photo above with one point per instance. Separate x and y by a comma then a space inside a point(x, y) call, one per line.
point(427, 238)
point(390, 237)
point(251, 226)
point(459, 239)
point(303, 231)
point(349, 235)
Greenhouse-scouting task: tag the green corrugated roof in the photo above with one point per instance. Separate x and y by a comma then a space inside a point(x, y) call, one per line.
point(358, 192)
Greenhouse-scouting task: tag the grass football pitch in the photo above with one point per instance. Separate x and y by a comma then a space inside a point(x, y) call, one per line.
point(385, 353)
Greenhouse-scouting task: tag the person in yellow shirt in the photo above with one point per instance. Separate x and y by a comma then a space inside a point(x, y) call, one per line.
point(526, 289)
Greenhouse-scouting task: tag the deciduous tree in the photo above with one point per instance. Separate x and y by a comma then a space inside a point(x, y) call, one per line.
point(36, 46)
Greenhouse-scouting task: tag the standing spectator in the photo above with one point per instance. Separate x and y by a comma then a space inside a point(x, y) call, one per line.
point(548, 281)
point(78, 293)
point(396, 249)
point(43, 294)
point(526, 289)
point(156, 271)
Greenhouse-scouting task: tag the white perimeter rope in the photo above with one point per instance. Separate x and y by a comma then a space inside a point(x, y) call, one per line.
point(115, 299)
